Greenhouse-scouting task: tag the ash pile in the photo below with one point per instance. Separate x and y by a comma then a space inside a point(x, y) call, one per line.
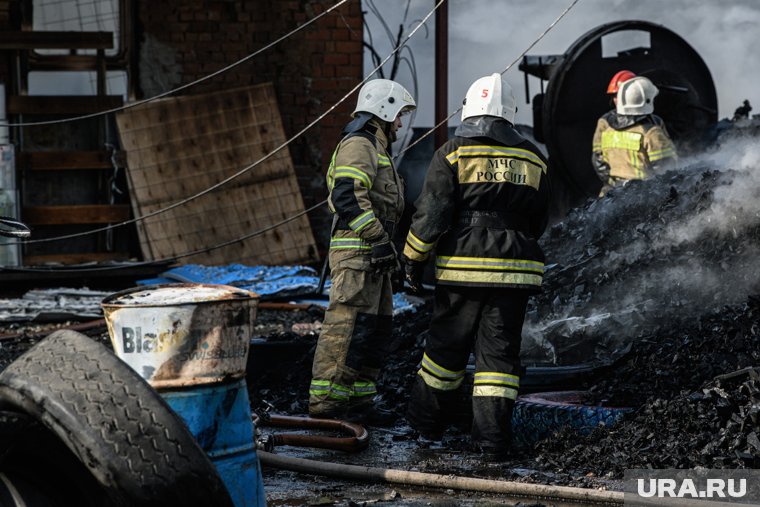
point(658, 282)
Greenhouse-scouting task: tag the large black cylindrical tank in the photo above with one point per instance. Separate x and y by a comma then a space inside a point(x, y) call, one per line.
point(576, 96)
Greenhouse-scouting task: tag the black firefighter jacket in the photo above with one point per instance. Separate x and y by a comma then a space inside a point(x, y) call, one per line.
point(483, 206)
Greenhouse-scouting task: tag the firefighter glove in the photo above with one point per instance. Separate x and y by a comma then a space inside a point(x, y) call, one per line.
point(384, 258)
point(413, 274)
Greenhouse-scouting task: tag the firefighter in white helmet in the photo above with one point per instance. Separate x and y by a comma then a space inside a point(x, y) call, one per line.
point(367, 200)
point(483, 206)
point(631, 142)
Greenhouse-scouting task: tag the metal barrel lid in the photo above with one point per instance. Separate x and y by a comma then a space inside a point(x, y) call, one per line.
point(176, 294)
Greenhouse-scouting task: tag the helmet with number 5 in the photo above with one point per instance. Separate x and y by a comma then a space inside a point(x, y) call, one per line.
point(490, 96)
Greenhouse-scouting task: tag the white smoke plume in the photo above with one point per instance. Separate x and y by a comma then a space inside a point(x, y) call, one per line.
point(735, 205)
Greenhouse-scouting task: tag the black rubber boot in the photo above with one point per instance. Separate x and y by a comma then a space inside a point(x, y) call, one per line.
point(339, 412)
point(492, 426)
point(424, 412)
point(370, 414)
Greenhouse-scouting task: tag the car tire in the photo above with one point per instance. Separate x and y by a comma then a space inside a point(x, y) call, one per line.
point(81, 397)
point(537, 416)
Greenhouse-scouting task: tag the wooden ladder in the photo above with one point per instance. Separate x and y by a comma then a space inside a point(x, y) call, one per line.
point(65, 186)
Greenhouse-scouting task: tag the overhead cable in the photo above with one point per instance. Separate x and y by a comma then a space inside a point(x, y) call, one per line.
point(176, 257)
point(254, 164)
point(445, 120)
point(184, 86)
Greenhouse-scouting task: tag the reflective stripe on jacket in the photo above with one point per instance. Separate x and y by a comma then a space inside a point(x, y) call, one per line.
point(631, 148)
point(365, 190)
point(474, 177)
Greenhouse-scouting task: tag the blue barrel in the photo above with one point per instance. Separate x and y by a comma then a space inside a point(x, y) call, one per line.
point(219, 416)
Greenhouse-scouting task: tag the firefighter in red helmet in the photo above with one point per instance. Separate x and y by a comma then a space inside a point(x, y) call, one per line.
point(615, 82)
point(631, 142)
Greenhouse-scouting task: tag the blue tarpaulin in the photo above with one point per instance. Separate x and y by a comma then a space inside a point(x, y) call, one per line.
point(269, 282)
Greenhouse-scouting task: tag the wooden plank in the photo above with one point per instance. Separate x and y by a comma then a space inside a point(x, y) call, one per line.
point(55, 40)
point(179, 146)
point(61, 104)
point(66, 62)
point(75, 258)
point(75, 214)
point(62, 160)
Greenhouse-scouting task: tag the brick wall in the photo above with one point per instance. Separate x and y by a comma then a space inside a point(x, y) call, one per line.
point(310, 71)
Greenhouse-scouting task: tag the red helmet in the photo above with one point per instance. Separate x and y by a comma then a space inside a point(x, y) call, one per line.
point(620, 77)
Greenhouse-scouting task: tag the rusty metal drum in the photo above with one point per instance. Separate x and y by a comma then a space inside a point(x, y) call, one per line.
point(182, 335)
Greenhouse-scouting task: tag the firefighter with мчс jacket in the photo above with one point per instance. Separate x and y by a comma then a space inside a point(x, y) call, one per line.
point(483, 206)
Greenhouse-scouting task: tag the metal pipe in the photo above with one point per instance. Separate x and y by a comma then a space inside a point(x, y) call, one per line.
point(441, 74)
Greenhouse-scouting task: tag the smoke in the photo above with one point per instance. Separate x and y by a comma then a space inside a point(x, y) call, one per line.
point(735, 205)
point(487, 35)
point(652, 254)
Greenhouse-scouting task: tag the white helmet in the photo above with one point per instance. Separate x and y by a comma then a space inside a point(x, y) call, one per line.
point(384, 98)
point(491, 96)
point(636, 96)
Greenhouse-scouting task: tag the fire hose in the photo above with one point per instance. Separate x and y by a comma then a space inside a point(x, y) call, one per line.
point(407, 478)
point(359, 441)
point(515, 489)
point(356, 442)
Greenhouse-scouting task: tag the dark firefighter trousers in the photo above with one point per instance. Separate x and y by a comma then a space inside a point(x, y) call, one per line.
point(355, 337)
point(489, 320)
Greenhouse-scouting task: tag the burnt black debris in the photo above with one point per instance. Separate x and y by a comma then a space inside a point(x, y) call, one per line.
point(652, 255)
point(714, 426)
point(657, 281)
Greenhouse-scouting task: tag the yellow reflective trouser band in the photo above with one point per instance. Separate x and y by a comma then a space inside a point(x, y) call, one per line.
point(438, 377)
point(345, 171)
point(493, 383)
point(494, 151)
point(495, 391)
point(362, 221)
point(438, 370)
point(496, 378)
point(349, 243)
point(436, 383)
point(333, 391)
point(364, 389)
